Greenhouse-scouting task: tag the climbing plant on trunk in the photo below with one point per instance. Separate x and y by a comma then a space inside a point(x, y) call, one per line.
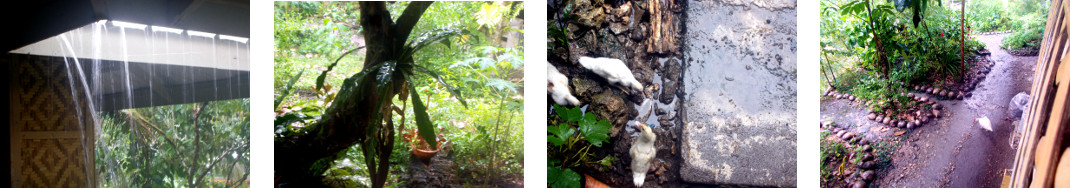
point(360, 112)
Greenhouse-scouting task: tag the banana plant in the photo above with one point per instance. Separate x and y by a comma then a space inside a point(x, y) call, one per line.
point(361, 111)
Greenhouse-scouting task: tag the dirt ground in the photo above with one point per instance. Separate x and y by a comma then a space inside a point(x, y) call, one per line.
point(953, 151)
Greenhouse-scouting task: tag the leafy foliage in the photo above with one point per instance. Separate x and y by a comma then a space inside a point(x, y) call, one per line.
point(487, 120)
point(566, 148)
point(869, 45)
point(594, 131)
point(1023, 39)
point(184, 145)
point(562, 178)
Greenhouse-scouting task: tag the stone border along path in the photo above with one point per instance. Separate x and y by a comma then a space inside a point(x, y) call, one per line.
point(918, 117)
point(1022, 52)
point(853, 141)
point(995, 32)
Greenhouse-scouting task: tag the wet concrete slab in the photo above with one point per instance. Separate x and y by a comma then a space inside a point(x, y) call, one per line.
point(740, 93)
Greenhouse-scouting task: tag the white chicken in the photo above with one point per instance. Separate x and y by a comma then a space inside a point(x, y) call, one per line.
point(643, 153)
point(984, 123)
point(613, 70)
point(557, 86)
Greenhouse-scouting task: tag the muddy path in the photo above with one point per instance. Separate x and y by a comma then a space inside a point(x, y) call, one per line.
point(442, 171)
point(953, 151)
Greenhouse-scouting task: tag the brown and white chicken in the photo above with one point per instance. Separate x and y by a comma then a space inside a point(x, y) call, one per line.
point(643, 153)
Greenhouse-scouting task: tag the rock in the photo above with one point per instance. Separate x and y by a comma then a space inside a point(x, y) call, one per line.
point(901, 124)
point(863, 142)
point(670, 77)
point(880, 118)
point(664, 122)
point(618, 27)
point(943, 93)
point(613, 107)
point(872, 116)
point(936, 113)
point(589, 14)
point(925, 119)
point(910, 125)
point(887, 121)
point(936, 106)
point(847, 136)
point(859, 184)
point(651, 89)
point(936, 91)
point(868, 175)
point(928, 90)
point(866, 165)
point(660, 112)
point(923, 99)
point(640, 32)
point(917, 122)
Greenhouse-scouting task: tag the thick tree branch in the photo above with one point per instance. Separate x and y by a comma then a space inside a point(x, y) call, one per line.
point(408, 20)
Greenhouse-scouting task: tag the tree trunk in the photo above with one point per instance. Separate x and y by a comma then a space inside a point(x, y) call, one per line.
point(882, 63)
point(962, 38)
point(301, 159)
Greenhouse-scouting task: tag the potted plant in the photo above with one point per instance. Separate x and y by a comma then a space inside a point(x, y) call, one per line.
point(420, 148)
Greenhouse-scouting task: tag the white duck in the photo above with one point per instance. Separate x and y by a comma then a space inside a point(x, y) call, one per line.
point(984, 123)
point(557, 86)
point(613, 70)
point(643, 153)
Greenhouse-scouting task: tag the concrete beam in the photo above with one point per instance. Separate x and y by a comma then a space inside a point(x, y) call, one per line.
point(153, 45)
point(160, 84)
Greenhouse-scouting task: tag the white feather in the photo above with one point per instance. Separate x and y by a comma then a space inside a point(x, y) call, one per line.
point(643, 153)
point(613, 70)
point(558, 87)
point(984, 123)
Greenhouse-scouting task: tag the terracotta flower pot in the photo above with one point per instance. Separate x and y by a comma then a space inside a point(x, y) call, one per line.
point(424, 153)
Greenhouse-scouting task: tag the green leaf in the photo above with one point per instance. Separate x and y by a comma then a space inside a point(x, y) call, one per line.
point(559, 178)
point(553, 140)
point(561, 133)
point(289, 87)
point(574, 114)
point(501, 84)
point(561, 111)
point(608, 160)
point(319, 80)
point(423, 121)
point(440, 35)
point(456, 93)
point(594, 131)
